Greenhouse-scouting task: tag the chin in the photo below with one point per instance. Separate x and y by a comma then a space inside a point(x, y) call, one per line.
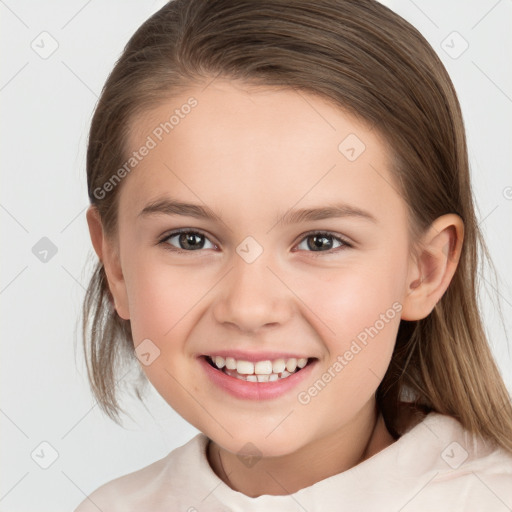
point(253, 443)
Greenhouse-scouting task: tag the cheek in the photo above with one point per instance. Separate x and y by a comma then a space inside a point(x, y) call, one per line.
point(357, 312)
point(162, 305)
point(350, 299)
point(365, 323)
point(161, 296)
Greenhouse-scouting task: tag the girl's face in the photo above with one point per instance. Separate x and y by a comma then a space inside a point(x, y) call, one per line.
point(271, 266)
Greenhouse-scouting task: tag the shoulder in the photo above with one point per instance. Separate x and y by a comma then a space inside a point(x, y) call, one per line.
point(150, 487)
point(462, 469)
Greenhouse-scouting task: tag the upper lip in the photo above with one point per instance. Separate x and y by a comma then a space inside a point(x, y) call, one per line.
point(240, 355)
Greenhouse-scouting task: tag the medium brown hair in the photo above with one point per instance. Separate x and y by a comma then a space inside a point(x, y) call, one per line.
point(370, 62)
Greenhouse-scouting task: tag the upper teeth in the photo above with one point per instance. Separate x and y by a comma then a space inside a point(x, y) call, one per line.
point(260, 367)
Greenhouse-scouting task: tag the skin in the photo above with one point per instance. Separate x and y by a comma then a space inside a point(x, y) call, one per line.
point(251, 154)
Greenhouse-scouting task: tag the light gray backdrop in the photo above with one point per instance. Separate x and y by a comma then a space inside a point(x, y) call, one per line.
point(55, 58)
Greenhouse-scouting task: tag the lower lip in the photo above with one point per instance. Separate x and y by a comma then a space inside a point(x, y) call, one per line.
point(255, 390)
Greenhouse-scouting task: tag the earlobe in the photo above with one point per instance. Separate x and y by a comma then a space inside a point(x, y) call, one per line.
point(432, 270)
point(108, 254)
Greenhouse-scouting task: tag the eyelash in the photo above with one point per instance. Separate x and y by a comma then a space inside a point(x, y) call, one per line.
point(343, 241)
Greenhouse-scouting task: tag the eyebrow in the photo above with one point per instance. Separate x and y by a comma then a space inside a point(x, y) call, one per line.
point(172, 207)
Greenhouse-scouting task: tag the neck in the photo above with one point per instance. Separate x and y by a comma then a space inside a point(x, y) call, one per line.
point(353, 443)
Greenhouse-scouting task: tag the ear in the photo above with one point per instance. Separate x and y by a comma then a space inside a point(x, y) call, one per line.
point(432, 270)
point(108, 253)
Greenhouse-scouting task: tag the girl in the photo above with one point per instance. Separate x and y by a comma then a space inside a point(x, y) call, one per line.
point(287, 244)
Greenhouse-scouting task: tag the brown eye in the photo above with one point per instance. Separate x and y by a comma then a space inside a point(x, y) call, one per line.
point(321, 242)
point(191, 241)
point(187, 241)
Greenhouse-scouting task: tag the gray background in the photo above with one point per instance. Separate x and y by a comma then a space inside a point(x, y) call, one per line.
point(47, 102)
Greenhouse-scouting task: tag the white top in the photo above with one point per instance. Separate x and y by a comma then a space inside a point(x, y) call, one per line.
point(435, 466)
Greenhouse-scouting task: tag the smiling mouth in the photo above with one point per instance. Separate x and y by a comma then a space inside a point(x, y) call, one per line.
point(260, 371)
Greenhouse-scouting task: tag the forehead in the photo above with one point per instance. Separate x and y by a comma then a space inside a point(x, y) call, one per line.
point(258, 147)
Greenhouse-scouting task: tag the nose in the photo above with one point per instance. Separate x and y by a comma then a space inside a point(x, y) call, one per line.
point(252, 297)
